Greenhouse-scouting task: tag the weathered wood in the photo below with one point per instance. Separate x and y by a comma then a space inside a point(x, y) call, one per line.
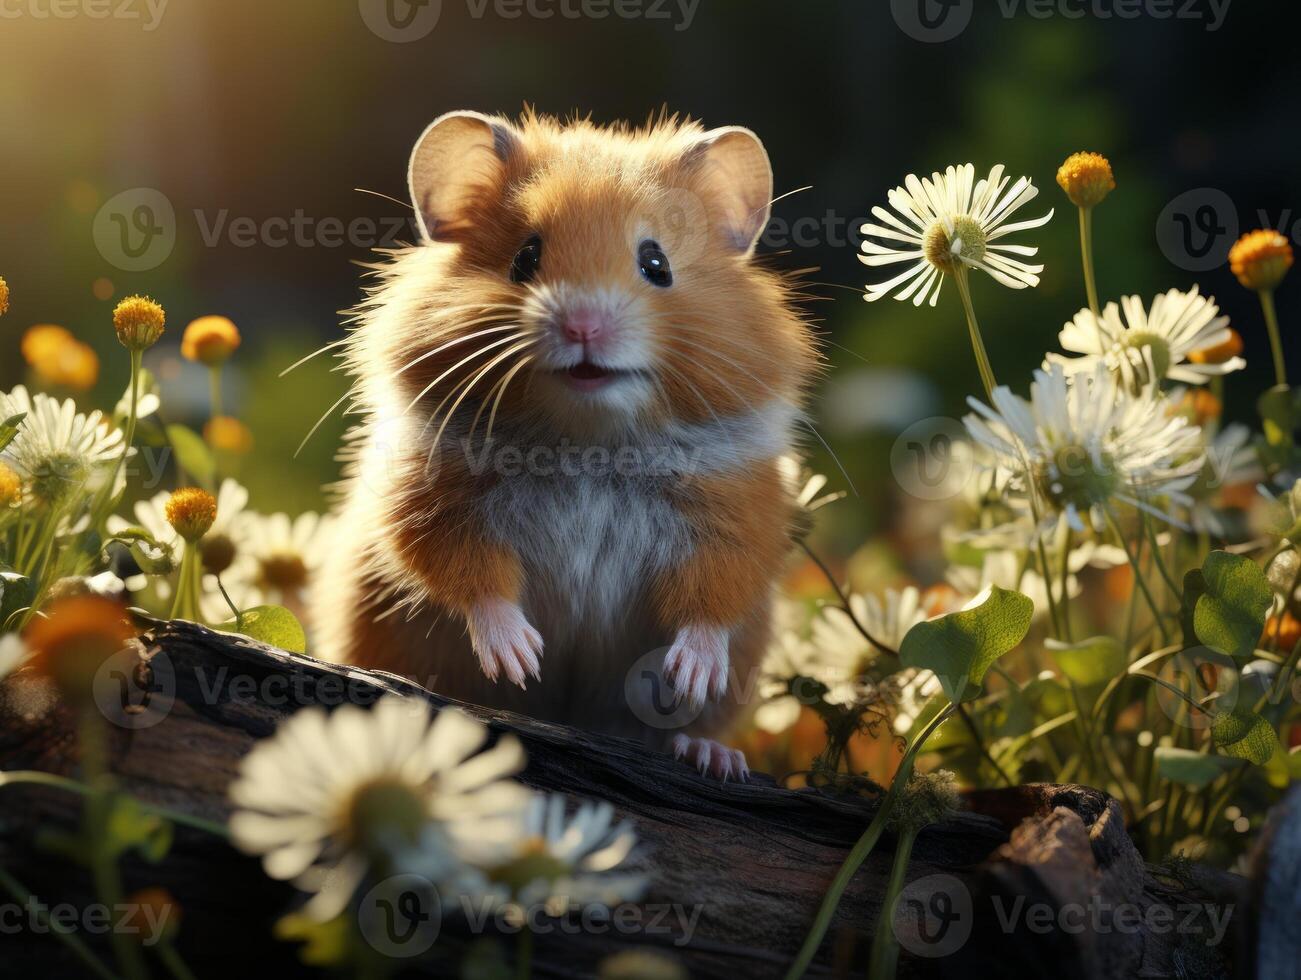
point(754, 859)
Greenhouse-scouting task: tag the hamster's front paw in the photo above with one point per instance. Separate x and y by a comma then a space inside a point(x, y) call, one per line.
point(711, 758)
point(696, 664)
point(504, 641)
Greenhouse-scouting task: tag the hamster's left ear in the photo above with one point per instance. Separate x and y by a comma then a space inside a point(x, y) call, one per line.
point(457, 167)
point(735, 167)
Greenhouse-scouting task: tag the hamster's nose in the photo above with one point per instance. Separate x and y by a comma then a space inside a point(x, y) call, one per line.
point(583, 326)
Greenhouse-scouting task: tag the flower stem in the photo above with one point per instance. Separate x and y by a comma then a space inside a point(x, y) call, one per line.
point(105, 499)
point(182, 605)
point(524, 954)
point(214, 390)
point(1138, 576)
point(40, 912)
point(1090, 276)
point(860, 851)
point(960, 278)
point(1275, 340)
point(885, 944)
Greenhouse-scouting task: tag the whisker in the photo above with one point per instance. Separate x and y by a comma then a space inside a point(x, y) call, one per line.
point(465, 390)
point(321, 421)
point(505, 382)
point(404, 204)
point(452, 343)
point(320, 350)
point(461, 363)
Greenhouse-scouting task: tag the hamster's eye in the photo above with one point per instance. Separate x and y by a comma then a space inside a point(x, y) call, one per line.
point(654, 264)
point(526, 262)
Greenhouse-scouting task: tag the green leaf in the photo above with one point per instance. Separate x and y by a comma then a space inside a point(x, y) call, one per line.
point(1089, 663)
point(1189, 768)
point(273, 625)
point(324, 943)
point(961, 646)
point(1230, 617)
point(1245, 735)
point(1280, 410)
point(130, 828)
point(9, 428)
point(193, 455)
point(1194, 589)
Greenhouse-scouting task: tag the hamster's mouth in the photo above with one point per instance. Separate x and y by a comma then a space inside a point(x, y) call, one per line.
point(586, 376)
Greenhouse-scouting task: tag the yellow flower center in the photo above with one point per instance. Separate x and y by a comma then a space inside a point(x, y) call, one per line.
point(383, 809)
point(139, 322)
point(534, 862)
point(1086, 178)
point(966, 243)
point(57, 475)
point(1261, 259)
point(11, 486)
point(210, 340)
point(284, 571)
point(191, 512)
point(1143, 340)
point(1075, 476)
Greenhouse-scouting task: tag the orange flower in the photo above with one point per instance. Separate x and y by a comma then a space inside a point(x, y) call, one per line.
point(1287, 630)
point(191, 512)
point(1086, 178)
point(139, 322)
point(1260, 259)
point(228, 434)
point(210, 340)
point(4, 296)
point(11, 486)
point(59, 359)
point(74, 639)
point(1226, 351)
point(152, 909)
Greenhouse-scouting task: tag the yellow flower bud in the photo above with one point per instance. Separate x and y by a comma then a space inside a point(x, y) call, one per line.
point(191, 511)
point(11, 487)
point(210, 340)
point(1260, 259)
point(1086, 178)
point(60, 359)
point(139, 322)
point(229, 435)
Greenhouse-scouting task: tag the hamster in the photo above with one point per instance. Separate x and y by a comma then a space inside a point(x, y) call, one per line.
point(577, 393)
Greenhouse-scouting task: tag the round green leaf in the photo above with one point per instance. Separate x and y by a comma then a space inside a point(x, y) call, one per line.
point(275, 626)
point(1189, 768)
point(1089, 663)
point(1245, 735)
point(961, 646)
point(1230, 616)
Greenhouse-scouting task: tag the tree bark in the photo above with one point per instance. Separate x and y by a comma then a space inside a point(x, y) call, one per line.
point(751, 861)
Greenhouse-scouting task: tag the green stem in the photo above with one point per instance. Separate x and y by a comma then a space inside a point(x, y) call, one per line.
point(214, 390)
point(103, 864)
point(1275, 340)
point(860, 851)
point(105, 498)
point(524, 954)
point(1090, 278)
point(184, 580)
point(1138, 575)
point(1066, 586)
point(176, 966)
point(885, 944)
point(40, 913)
point(34, 777)
point(960, 278)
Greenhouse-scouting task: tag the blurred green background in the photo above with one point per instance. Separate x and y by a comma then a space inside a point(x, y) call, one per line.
point(243, 112)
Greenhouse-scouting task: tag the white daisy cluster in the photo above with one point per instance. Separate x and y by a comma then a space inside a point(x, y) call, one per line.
point(337, 801)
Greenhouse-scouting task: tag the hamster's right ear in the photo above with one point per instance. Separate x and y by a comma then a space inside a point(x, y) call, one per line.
point(459, 160)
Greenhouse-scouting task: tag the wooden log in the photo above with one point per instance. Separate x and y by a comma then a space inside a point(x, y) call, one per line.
point(736, 870)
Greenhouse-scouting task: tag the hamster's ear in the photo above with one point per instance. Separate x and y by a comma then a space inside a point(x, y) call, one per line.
point(458, 160)
point(736, 170)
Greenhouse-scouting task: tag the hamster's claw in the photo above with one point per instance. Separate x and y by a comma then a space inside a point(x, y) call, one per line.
point(505, 642)
point(696, 665)
point(711, 758)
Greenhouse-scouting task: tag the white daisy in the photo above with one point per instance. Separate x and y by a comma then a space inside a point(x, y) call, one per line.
point(332, 795)
point(13, 653)
point(58, 450)
point(888, 618)
point(278, 556)
point(789, 655)
point(1080, 443)
point(557, 860)
point(947, 220)
point(1143, 345)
